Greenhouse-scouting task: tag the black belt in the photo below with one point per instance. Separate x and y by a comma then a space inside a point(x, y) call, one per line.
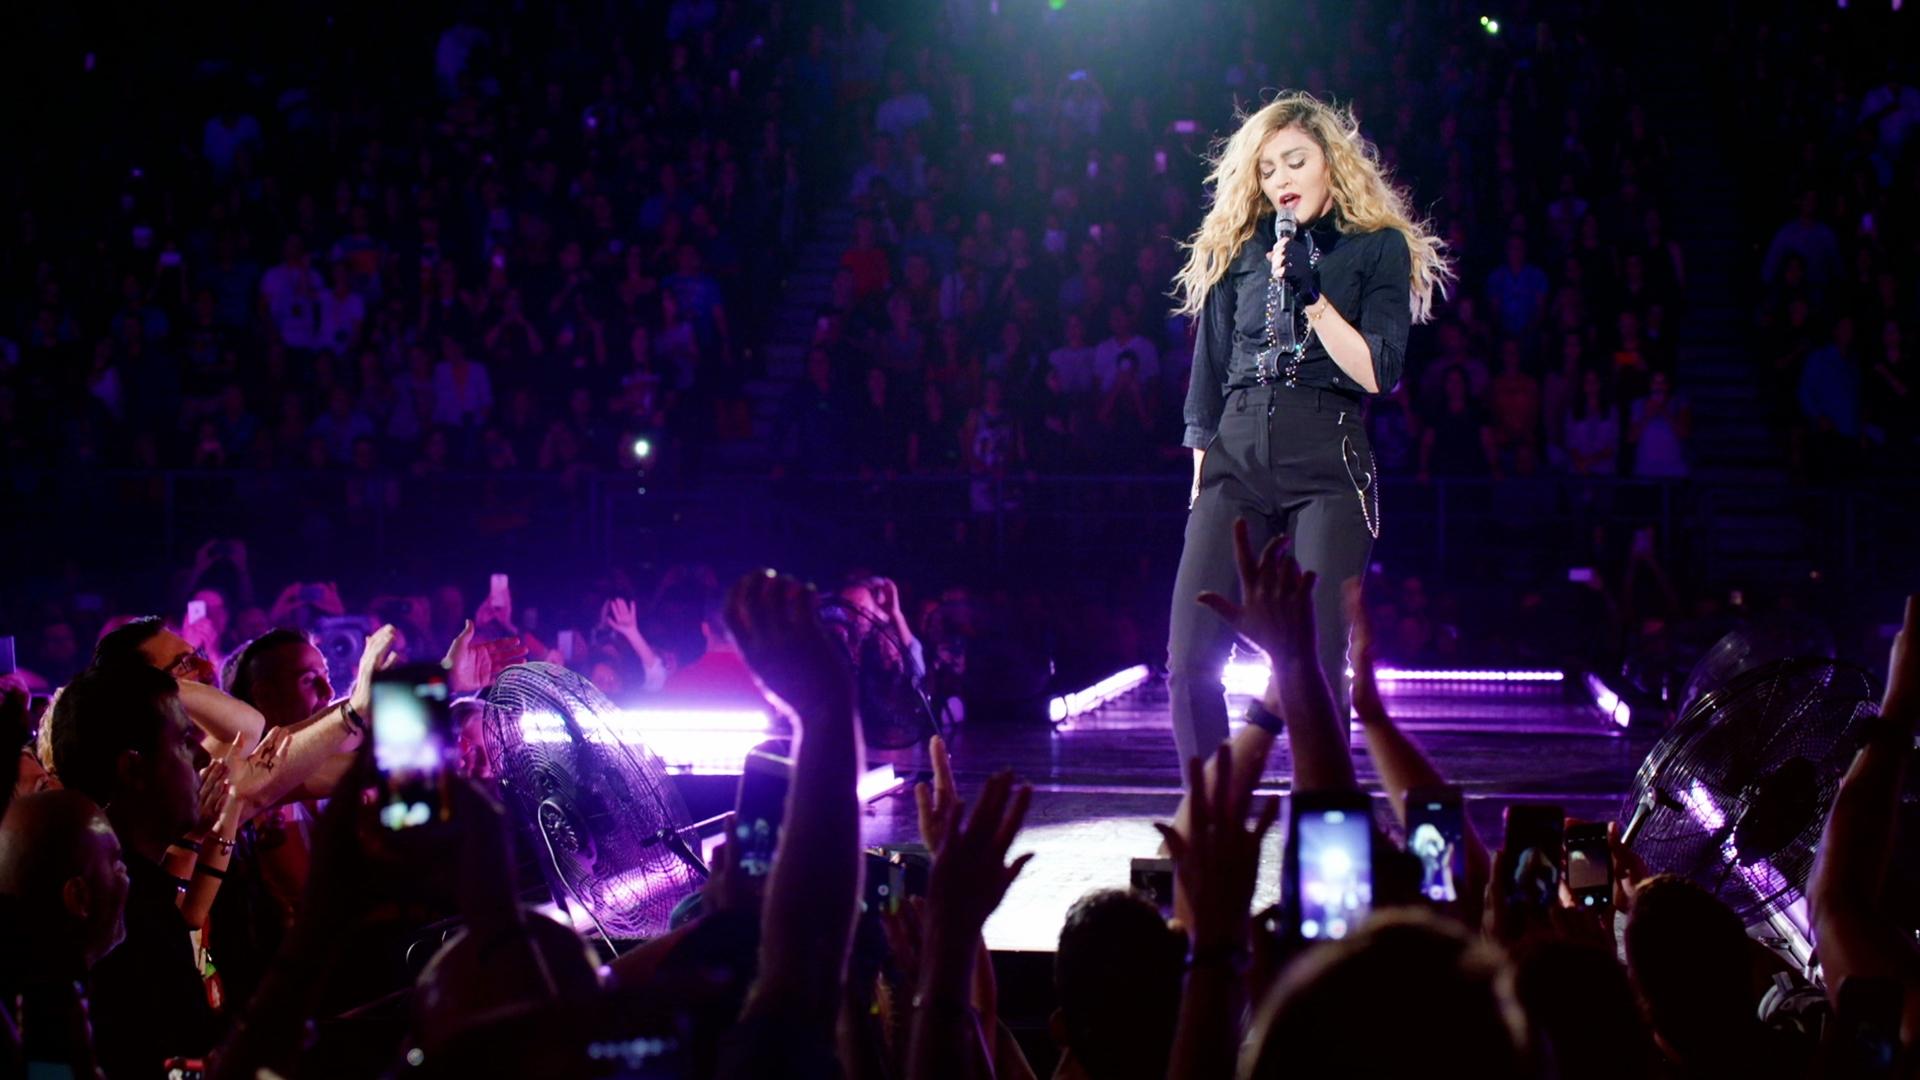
point(1352, 399)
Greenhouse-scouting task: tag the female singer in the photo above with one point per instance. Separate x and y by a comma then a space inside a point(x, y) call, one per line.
point(1290, 338)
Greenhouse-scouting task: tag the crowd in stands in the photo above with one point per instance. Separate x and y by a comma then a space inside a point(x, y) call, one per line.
point(542, 260)
point(1007, 276)
point(562, 237)
point(1837, 292)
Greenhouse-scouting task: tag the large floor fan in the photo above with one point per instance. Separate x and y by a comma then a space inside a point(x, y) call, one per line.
point(608, 825)
point(1734, 797)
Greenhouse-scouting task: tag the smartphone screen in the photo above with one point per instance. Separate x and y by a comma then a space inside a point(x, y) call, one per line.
point(412, 741)
point(196, 611)
point(1335, 867)
point(1589, 866)
point(759, 810)
point(1535, 842)
point(497, 593)
point(885, 887)
point(1436, 832)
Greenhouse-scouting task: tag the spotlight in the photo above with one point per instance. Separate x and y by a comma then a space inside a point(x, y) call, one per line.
point(639, 451)
point(1490, 25)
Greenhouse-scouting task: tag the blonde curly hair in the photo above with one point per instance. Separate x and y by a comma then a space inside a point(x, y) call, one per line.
point(1363, 195)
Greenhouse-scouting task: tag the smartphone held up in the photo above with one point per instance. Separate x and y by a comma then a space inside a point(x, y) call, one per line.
point(1328, 866)
point(413, 744)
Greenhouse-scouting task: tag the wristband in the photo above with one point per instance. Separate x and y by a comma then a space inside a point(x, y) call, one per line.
point(213, 872)
point(354, 720)
point(1260, 717)
point(185, 844)
point(225, 845)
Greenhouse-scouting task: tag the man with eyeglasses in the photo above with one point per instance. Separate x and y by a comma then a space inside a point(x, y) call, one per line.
point(149, 642)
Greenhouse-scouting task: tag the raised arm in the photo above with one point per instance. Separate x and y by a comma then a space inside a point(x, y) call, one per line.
point(1855, 933)
point(309, 757)
point(225, 718)
point(1402, 764)
point(1216, 859)
point(813, 889)
point(970, 877)
point(1276, 614)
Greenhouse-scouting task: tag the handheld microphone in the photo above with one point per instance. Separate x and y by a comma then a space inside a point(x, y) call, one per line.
point(1285, 227)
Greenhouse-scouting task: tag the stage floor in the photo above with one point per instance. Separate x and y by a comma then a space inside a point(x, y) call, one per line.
point(1101, 782)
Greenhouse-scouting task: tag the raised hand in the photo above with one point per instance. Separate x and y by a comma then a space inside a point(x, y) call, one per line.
point(376, 656)
point(1629, 869)
point(970, 874)
point(886, 595)
point(622, 617)
point(935, 803)
point(1217, 858)
point(1275, 611)
point(251, 775)
point(216, 792)
point(472, 667)
point(774, 619)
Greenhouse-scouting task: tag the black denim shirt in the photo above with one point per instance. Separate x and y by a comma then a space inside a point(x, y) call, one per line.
point(1365, 276)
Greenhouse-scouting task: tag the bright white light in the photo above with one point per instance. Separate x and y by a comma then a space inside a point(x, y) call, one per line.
point(697, 741)
point(1760, 875)
point(878, 781)
point(1608, 701)
point(642, 448)
point(1081, 702)
point(1249, 677)
point(1701, 806)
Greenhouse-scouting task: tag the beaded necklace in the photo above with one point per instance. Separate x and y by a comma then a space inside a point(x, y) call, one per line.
point(1266, 362)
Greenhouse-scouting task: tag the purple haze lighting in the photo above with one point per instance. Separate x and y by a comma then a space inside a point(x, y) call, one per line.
point(1761, 876)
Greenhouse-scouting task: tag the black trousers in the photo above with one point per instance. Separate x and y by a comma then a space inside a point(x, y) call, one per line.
point(1289, 460)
